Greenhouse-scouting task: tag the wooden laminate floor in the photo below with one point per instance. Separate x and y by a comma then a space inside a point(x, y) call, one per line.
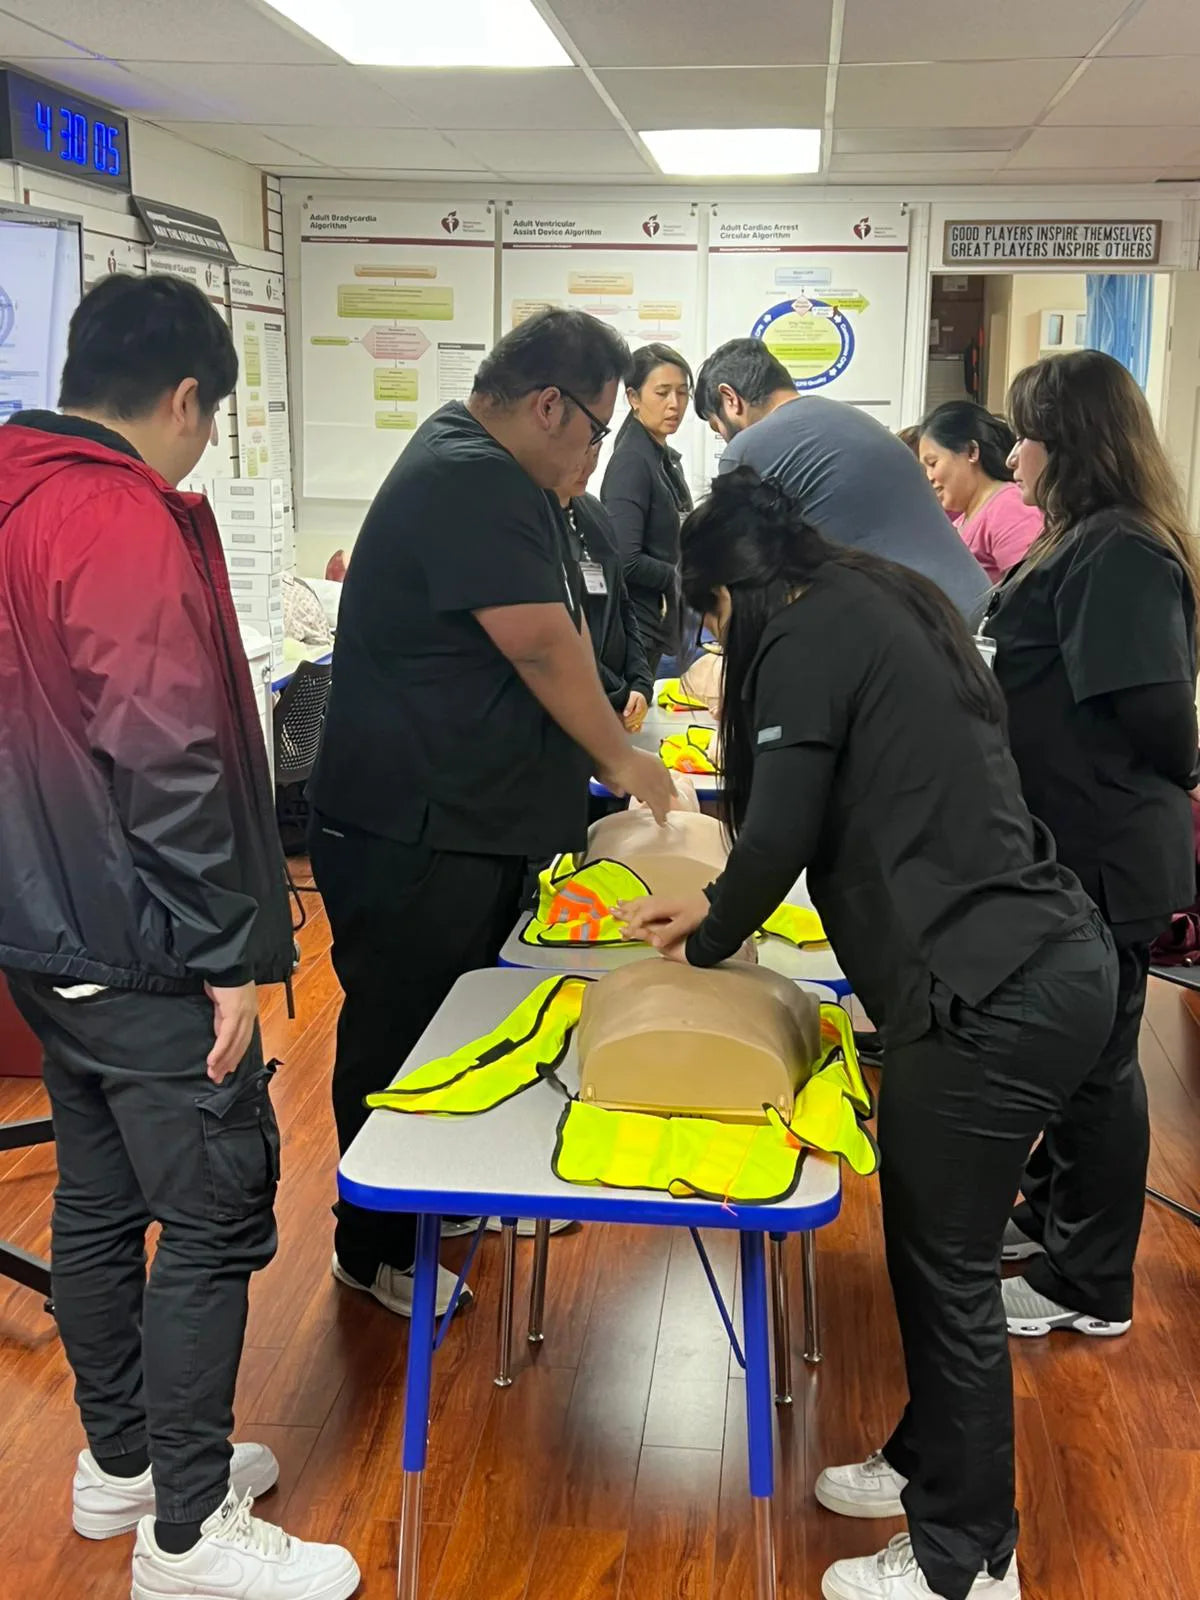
point(614, 1468)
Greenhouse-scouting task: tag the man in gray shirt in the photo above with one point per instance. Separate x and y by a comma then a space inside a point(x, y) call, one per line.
point(853, 480)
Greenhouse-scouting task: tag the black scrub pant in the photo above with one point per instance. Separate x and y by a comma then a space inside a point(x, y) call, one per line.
point(407, 922)
point(142, 1134)
point(1084, 1186)
point(959, 1110)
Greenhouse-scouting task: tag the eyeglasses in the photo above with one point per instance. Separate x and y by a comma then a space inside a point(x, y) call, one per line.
point(600, 430)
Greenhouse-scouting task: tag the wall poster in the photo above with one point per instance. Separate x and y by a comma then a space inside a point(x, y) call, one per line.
point(397, 307)
point(632, 264)
point(824, 287)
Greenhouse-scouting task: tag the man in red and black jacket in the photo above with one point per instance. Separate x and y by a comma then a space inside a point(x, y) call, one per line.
point(142, 895)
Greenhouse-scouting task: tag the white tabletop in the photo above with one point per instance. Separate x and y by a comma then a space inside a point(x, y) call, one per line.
point(498, 1163)
point(812, 968)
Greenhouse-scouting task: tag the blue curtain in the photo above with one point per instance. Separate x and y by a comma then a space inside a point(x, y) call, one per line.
point(1118, 318)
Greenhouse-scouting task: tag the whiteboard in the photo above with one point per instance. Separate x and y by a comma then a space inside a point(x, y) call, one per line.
point(41, 280)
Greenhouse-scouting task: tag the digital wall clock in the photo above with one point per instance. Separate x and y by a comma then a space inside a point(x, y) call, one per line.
point(56, 130)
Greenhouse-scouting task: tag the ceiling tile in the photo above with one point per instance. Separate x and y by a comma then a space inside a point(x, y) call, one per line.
point(1085, 177)
point(975, 30)
point(175, 30)
point(920, 175)
point(696, 33)
point(734, 97)
point(1107, 147)
point(131, 91)
point(329, 97)
point(402, 149)
point(865, 141)
point(549, 98)
point(238, 139)
point(1160, 23)
point(589, 154)
point(901, 165)
point(467, 174)
point(18, 38)
point(988, 94)
point(1133, 92)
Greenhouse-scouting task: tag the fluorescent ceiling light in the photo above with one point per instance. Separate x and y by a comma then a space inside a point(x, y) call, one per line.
point(734, 152)
point(429, 33)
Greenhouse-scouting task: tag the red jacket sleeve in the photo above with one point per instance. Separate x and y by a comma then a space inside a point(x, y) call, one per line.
point(135, 621)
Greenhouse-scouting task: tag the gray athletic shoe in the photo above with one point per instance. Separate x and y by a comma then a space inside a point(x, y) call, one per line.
point(1031, 1316)
point(1018, 1246)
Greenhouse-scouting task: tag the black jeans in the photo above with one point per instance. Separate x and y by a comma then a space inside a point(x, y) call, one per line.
point(407, 923)
point(1084, 1186)
point(142, 1134)
point(959, 1109)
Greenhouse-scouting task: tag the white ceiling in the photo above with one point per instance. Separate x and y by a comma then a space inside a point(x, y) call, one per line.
point(976, 92)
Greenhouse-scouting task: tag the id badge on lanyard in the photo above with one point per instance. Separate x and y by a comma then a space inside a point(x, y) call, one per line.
point(593, 577)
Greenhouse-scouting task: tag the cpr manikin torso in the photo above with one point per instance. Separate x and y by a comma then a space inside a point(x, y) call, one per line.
point(680, 857)
point(720, 1042)
point(703, 680)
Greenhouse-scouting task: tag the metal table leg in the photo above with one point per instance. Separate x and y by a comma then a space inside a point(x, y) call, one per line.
point(537, 1284)
point(812, 1304)
point(782, 1320)
point(16, 1263)
point(416, 1404)
point(504, 1361)
point(759, 1413)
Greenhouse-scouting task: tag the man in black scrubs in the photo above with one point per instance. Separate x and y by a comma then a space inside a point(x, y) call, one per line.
point(464, 719)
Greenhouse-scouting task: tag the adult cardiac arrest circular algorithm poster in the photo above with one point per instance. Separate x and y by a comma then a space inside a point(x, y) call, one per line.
point(824, 287)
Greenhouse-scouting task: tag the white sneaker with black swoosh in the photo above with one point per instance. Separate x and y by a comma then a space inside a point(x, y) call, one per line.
point(241, 1558)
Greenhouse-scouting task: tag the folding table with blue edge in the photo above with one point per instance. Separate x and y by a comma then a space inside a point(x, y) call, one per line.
point(498, 1164)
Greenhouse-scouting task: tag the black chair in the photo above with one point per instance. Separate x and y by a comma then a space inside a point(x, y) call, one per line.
point(297, 723)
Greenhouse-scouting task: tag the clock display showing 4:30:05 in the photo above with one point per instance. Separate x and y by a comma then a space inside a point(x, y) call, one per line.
point(79, 141)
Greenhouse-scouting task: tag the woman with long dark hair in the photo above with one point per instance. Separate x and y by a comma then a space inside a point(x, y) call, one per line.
point(1096, 655)
point(864, 741)
point(645, 492)
point(964, 450)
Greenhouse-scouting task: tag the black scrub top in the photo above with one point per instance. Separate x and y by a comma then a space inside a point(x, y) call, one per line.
point(1109, 608)
point(928, 865)
point(431, 736)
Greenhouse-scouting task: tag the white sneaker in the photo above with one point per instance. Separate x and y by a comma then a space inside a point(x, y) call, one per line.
point(527, 1226)
point(460, 1227)
point(1018, 1246)
point(103, 1506)
point(894, 1575)
point(868, 1488)
point(394, 1289)
point(240, 1558)
point(1031, 1316)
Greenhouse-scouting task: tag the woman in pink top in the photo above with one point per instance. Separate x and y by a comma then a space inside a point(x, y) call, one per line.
point(965, 450)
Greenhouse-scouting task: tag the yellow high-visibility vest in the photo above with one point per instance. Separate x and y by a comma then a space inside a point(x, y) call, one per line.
point(575, 904)
point(672, 696)
point(799, 925)
point(522, 1049)
point(692, 751)
point(754, 1163)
